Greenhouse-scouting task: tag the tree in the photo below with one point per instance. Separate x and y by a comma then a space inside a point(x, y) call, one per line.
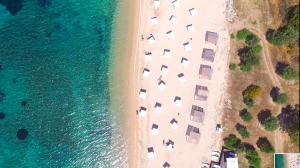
point(233, 143)
point(288, 33)
point(289, 73)
point(243, 34)
point(242, 130)
point(252, 91)
point(270, 123)
point(289, 122)
point(245, 115)
point(282, 98)
point(264, 145)
point(252, 156)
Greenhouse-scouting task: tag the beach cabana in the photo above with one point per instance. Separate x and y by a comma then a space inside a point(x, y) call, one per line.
point(148, 56)
point(177, 101)
point(174, 124)
point(190, 28)
point(154, 20)
point(162, 85)
point(193, 12)
point(167, 53)
point(184, 62)
point(166, 165)
point(164, 69)
point(170, 35)
point(146, 73)
point(143, 93)
point(205, 71)
point(176, 4)
point(208, 54)
point(170, 145)
point(201, 93)
point(173, 19)
point(156, 3)
point(154, 129)
point(142, 111)
point(151, 39)
point(192, 134)
point(157, 107)
point(197, 114)
point(150, 153)
point(187, 46)
point(181, 77)
point(211, 37)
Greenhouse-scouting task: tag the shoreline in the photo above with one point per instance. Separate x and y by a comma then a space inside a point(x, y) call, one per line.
point(123, 78)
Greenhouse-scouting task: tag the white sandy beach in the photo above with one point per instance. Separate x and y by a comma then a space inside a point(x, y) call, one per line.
point(210, 18)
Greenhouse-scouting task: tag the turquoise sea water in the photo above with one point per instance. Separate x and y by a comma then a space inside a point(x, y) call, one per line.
point(279, 161)
point(54, 55)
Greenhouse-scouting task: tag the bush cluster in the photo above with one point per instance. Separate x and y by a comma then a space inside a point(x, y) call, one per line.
point(250, 54)
point(270, 123)
point(242, 130)
point(250, 93)
point(289, 73)
point(288, 33)
point(264, 145)
point(246, 115)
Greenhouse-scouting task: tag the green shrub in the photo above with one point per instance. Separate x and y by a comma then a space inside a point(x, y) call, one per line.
point(288, 33)
point(242, 131)
point(253, 157)
point(251, 91)
point(264, 145)
point(252, 39)
point(289, 73)
point(245, 115)
point(232, 66)
point(243, 34)
point(270, 123)
point(282, 98)
point(245, 67)
point(232, 142)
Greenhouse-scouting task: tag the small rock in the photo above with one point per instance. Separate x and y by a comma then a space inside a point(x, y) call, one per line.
point(22, 134)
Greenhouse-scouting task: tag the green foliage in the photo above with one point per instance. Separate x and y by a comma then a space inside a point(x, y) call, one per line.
point(245, 67)
point(264, 145)
point(253, 157)
point(289, 73)
point(246, 116)
point(232, 142)
point(243, 34)
point(289, 122)
point(270, 123)
point(282, 98)
point(252, 39)
point(243, 131)
point(289, 33)
point(232, 66)
point(252, 91)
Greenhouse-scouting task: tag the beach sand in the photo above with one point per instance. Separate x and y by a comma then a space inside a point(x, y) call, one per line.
point(184, 154)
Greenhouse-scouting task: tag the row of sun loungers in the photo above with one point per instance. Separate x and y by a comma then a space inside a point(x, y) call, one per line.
point(197, 113)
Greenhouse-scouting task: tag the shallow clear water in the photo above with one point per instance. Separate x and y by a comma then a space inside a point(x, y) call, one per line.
point(279, 161)
point(55, 56)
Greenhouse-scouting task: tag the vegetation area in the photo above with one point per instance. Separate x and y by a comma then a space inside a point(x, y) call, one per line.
point(286, 71)
point(250, 93)
point(264, 145)
point(277, 97)
point(269, 122)
point(232, 142)
point(289, 122)
point(289, 32)
point(242, 130)
point(250, 53)
point(246, 115)
point(232, 66)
